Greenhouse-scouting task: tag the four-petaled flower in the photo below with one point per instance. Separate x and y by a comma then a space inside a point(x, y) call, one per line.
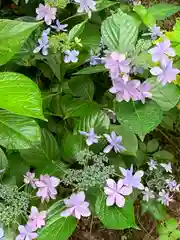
point(164, 198)
point(59, 27)
point(166, 73)
point(152, 164)
point(161, 52)
point(43, 43)
point(117, 63)
point(155, 32)
point(172, 185)
point(144, 91)
point(76, 206)
point(71, 56)
point(91, 136)
point(116, 192)
point(148, 194)
point(47, 187)
point(132, 180)
point(29, 178)
point(46, 12)
point(26, 233)
point(115, 142)
point(36, 218)
point(86, 6)
point(167, 167)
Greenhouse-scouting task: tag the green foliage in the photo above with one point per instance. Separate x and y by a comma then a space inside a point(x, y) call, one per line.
point(168, 230)
point(119, 32)
point(152, 145)
point(140, 118)
point(76, 30)
point(174, 36)
point(20, 95)
point(147, 18)
point(91, 69)
point(156, 209)
point(3, 162)
point(162, 11)
point(13, 35)
point(115, 217)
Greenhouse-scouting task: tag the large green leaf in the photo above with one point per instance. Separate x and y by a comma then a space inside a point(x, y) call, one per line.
point(46, 152)
point(90, 42)
point(91, 69)
point(147, 18)
point(115, 217)
point(57, 227)
point(3, 162)
point(13, 34)
point(162, 11)
point(18, 132)
point(20, 95)
point(119, 32)
point(129, 139)
point(174, 36)
point(140, 118)
point(165, 96)
point(97, 120)
point(76, 30)
point(156, 209)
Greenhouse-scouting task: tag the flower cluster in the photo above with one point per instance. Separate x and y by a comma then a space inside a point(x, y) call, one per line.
point(124, 88)
point(160, 183)
point(46, 185)
point(86, 6)
point(116, 191)
point(36, 221)
point(115, 142)
point(160, 53)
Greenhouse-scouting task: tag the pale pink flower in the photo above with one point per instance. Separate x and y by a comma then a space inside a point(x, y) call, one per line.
point(36, 218)
point(26, 233)
point(116, 192)
point(76, 206)
point(47, 187)
point(46, 12)
point(29, 178)
point(165, 198)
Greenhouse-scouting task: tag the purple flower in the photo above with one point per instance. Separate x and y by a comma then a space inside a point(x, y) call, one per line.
point(117, 63)
point(164, 198)
point(47, 13)
point(86, 6)
point(47, 187)
point(71, 56)
point(162, 51)
point(60, 27)
point(155, 32)
point(94, 60)
point(144, 89)
point(172, 185)
point(43, 44)
point(167, 167)
point(124, 89)
point(76, 206)
point(36, 219)
point(29, 178)
point(147, 194)
point(115, 142)
point(165, 74)
point(91, 136)
point(152, 164)
point(26, 233)
point(132, 180)
point(116, 192)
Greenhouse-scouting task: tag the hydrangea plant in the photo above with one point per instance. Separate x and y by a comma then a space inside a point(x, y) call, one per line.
point(81, 99)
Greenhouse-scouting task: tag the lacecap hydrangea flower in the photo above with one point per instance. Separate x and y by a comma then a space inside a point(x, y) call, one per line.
point(76, 206)
point(155, 32)
point(86, 6)
point(114, 143)
point(91, 137)
point(115, 192)
point(36, 218)
point(71, 56)
point(46, 12)
point(148, 194)
point(43, 43)
point(29, 178)
point(167, 167)
point(152, 164)
point(165, 198)
point(59, 27)
point(26, 233)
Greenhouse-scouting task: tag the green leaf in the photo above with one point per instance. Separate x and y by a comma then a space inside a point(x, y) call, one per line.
point(54, 62)
point(147, 18)
point(140, 118)
point(174, 36)
point(76, 30)
point(45, 152)
point(82, 86)
point(91, 70)
point(119, 32)
point(18, 132)
point(3, 162)
point(13, 35)
point(103, 4)
point(152, 145)
point(156, 209)
point(20, 95)
point(163, 155)
point(115, 217)
point(90, 42)
point(165, 96)
point(162, 11)
point(97, 120)
point(57, 227)
point(129, 139)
